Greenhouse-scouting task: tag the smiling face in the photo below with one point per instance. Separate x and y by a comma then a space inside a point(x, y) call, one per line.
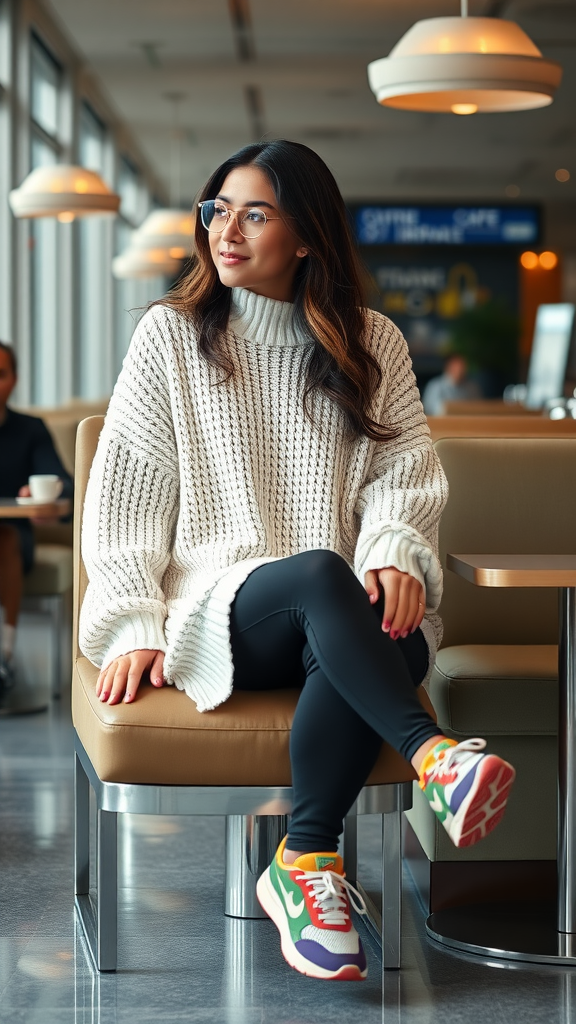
point(266, 264)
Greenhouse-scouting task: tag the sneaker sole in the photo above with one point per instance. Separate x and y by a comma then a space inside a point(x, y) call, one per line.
point(485, 804)
point(270, 902)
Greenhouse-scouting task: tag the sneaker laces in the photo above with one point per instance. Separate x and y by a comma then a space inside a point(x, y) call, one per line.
point(329, 891)
point(453, 756)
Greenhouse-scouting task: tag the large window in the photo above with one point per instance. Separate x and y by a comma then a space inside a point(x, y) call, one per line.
point(44, 233)
point(131, 296)
point(92, 344)
point(59, 305)
point(6, 263)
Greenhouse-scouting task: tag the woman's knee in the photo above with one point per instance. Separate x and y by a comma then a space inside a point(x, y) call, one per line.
point(325, 569)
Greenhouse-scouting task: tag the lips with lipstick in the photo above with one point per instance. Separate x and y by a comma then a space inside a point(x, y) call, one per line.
point(232, 259)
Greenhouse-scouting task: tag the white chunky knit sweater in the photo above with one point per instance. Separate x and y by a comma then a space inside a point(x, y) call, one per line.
point(195, 484)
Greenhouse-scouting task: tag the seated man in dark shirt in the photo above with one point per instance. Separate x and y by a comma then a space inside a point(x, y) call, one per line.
point(26, 448)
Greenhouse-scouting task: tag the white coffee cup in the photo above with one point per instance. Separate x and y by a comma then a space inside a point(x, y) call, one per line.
point(45, 486)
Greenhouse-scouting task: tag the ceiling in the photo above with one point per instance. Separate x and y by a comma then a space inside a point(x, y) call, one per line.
point(243, 69)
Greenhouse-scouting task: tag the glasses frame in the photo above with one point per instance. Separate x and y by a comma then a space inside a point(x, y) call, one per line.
point(234, 213)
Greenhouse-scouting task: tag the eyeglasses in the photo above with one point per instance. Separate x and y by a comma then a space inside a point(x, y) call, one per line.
point(215, 216)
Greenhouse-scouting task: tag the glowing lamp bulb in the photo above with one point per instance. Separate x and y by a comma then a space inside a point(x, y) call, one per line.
point(529, 260)
point(464, 108)
point(548, 260)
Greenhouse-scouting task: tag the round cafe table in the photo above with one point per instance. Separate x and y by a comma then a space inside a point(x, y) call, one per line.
point(23, 699)
point(533, 932)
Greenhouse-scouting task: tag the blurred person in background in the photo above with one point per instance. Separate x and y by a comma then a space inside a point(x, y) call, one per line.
point(26, 448)
point(453, 385)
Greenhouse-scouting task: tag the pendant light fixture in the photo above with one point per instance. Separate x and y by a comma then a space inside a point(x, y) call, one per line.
point(64, 191)
point(170, 229)
point(138, 263)
point(166, 236)
point(464, 66)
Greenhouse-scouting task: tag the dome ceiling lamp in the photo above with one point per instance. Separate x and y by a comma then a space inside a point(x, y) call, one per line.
point(169, 229)
point(65, 191)
point(166, 236)
point(464, 65)
point(140, 263)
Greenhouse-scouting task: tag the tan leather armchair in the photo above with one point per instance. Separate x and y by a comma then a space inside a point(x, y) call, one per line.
point(160, 756)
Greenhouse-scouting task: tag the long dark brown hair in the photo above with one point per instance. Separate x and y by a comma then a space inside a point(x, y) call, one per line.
point(328, 295)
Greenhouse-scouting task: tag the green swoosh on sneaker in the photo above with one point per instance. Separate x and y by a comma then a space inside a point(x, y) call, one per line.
point(294, 909)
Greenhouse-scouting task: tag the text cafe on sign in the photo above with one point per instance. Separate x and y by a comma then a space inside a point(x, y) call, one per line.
point(446, 225)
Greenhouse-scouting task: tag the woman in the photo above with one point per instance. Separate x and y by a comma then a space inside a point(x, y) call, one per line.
point(264, 437)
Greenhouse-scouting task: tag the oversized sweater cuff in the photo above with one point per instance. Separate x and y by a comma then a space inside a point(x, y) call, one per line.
point(399, 546)
point(134, 631)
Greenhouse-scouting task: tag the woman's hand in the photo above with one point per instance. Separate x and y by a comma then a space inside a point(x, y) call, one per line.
point(122, 677)
point(404, 600)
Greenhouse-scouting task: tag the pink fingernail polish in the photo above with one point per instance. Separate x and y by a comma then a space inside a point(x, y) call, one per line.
point(386, 627)
point(405, 634)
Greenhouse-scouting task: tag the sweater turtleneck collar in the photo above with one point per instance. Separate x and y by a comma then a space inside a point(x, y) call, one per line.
point(265, 321)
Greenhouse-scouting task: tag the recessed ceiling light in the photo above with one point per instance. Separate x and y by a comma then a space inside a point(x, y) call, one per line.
point(562, 174)
point(512, 191)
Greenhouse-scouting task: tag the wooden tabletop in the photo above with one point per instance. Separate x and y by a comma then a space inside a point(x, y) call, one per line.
point(515, 570)
point(10, 509)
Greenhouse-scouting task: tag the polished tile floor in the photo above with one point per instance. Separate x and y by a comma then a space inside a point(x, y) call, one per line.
point(181, 959)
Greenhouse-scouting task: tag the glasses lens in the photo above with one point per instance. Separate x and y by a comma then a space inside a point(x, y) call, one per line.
point(252, 223)
point(214, 215)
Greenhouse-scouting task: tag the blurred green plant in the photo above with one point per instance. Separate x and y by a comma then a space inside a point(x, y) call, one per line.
point(487, 337)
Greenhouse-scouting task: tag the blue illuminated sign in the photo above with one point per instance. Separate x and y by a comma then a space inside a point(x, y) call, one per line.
point(447, 225)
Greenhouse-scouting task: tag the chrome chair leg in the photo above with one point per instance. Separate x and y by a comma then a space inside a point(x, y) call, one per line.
point(251, 842)
point(107, 874)
point(81, 829)
point(98, 918)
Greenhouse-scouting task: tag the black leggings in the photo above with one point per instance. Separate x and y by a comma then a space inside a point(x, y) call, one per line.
point(307, 621)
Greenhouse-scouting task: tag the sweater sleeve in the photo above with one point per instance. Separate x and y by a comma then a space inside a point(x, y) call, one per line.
point(131, 507)
point(404, 493)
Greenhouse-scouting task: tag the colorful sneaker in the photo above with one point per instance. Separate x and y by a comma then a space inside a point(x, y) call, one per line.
point(468, 790)
point(308, 902)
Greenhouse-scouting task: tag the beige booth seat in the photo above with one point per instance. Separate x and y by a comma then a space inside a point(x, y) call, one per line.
point(487, 407)
point(496, 673)
point(499, 426)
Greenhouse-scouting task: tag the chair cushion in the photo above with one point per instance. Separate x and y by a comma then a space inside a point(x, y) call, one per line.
point(51, 572)
point(496, 690)
point(162, 739)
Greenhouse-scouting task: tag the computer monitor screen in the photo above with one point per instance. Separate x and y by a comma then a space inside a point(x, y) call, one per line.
point(550, 351)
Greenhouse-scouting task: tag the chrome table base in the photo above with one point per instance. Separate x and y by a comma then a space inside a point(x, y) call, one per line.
point(533, 932)
point(504, 931)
